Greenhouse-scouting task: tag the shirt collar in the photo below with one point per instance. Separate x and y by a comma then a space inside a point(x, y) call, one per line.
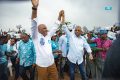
point(41, 35)
point(77, 37)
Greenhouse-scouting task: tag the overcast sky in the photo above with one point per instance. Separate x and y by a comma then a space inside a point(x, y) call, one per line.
point(87, 13)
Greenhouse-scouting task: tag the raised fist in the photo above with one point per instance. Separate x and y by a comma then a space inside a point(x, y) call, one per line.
point(61, 13)
point(35, 3)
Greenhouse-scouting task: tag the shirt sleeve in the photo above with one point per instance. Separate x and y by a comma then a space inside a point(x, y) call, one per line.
point(60, 43)
point(34, 29)
point(8, 47)
point(86, 46)
point(15, 48)
point(54, 28)
point(18, 51)
point(65, 28)
point(34, 53)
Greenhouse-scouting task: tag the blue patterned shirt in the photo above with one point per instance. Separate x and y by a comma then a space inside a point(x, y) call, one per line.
point(3, 49)
point(55, 46)
point(27, 53)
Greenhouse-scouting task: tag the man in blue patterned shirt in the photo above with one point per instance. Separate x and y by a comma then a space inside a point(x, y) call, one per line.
point(26, 57)
point(3, 59)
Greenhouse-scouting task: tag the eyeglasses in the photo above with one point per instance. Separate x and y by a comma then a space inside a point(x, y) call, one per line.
point(42, 41)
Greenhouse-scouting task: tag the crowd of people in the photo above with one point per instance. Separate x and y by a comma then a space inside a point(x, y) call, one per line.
point(52, 53)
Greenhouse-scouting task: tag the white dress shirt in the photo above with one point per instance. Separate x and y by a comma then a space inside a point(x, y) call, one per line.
point(63, 45)
point(44, 56)
point(76, 47)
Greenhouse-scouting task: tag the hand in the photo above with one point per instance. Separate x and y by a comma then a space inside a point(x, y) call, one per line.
point(59, 52)
point(62, 12)
point(33, 65)
point(17, 60)
point(59, 17)
point(90, 56)
point(104, 49)
point(62, 16)
point(35, 3)
point(99, 49)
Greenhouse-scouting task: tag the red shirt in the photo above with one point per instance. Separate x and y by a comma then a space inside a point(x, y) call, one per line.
point(102, 44)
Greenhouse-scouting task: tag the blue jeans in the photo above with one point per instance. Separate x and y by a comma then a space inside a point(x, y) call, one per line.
point(81, 69)
point(23, 74)
point(3, 71)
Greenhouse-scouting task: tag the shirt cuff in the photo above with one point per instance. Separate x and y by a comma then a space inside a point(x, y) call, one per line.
point(57, 22)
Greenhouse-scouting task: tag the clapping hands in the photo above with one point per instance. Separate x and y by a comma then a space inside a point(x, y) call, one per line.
point(61, 17)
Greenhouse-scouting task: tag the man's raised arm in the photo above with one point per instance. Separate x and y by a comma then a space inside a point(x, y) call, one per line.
point(57, 23)
point(34, 29)
point(35, 4)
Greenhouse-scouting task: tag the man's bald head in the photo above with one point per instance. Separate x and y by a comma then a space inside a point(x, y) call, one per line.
point(42, 29)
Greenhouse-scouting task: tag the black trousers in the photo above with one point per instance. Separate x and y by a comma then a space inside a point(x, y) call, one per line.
point(3, 71)
point(23, 72)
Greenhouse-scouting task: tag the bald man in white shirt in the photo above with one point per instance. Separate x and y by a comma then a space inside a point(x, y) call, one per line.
point(42, 40)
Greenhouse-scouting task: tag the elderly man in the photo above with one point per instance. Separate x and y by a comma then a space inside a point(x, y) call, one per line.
point(46, 67)
point(77, 43)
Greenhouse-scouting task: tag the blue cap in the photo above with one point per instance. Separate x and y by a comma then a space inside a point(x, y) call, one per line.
point(103, 32)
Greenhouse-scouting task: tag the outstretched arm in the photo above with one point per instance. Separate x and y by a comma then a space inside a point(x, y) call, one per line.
point(57, 23)
point(35, 4)
point(34, 29)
